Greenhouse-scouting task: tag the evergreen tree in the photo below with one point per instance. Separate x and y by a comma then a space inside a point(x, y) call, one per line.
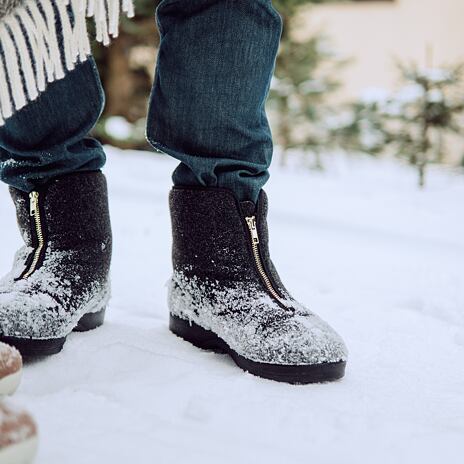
point(413, 121)
point(361, 127)
point(423, 120)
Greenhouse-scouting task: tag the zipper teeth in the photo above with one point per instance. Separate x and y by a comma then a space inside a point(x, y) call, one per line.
point(263, 274)
point(251, 222)
point(34, 196)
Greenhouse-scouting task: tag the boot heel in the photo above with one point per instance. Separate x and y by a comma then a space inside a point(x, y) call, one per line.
point(196, 335)
point(90, 321)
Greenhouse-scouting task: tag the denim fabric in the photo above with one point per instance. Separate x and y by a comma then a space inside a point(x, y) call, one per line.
point(207, 104)
point(48, 137)
point(206, 108)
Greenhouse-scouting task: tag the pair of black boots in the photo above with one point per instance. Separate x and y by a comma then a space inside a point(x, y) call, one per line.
point(225, 293)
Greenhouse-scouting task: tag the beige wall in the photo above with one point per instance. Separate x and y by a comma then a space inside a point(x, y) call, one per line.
point(375, 33)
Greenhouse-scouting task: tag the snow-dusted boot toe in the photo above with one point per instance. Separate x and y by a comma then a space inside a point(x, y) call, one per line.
point(59, 281)
point(18, 436)
point(11, 365)
point(226, 295)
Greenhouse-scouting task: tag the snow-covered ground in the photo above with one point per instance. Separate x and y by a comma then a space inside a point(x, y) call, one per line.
point(379, 259)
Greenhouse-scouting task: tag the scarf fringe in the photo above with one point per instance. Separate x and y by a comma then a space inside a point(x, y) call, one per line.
point(33, 53)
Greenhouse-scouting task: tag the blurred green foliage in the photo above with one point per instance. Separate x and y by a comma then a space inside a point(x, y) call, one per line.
point(412, 122)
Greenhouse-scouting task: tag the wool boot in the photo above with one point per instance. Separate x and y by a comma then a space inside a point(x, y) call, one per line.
point(226, 295)
point(60, 278)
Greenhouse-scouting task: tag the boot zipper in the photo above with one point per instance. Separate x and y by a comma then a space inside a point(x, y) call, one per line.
point(251, 222)
point(35, 214)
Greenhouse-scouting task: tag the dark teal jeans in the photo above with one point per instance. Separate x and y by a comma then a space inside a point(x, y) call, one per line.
point(207, 105)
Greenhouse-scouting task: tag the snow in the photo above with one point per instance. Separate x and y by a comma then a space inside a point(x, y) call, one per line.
point(375, 95)
point(300, 338)
point(118, 127)
point(377, 258)
point(409, 93)
point(436, 75)
point(22, 301)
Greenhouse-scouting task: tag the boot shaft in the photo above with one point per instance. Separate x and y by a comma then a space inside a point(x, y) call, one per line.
point(68, 216)
point(216, 237)
point(73, 210)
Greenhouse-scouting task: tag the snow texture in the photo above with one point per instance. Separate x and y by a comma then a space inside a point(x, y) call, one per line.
point(253, 324)
point(43, 306)
point(360, 244)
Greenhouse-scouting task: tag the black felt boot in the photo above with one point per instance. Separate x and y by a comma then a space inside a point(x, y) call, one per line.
point(226, 295)
point(59, 281)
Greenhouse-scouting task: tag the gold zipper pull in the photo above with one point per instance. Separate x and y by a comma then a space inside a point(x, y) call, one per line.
point(251, 221)
point(34, 203)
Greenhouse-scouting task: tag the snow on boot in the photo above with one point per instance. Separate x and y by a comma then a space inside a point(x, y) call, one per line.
point(11, 365)
point(226, 295)
point(18, 436)
point(59, 281)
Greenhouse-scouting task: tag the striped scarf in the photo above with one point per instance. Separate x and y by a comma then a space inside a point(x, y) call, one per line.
point(40, 40)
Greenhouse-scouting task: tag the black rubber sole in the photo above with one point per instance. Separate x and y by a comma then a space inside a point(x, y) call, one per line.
point(30, 347)
point(297, 374)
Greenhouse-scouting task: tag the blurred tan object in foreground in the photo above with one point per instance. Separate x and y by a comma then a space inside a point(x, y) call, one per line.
point(18, 432)
point(10, 369)
point(18, 436)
